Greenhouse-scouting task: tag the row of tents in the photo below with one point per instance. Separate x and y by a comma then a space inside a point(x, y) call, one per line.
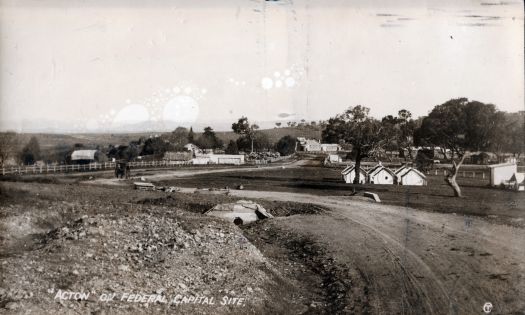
point(380, 174)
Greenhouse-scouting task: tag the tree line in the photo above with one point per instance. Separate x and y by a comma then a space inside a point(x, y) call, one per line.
point(458, 126)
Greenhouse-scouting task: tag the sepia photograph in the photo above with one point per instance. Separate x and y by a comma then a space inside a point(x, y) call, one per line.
point(262, 157)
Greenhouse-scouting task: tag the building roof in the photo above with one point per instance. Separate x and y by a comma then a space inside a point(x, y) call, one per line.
point(501, 165)
point(401, 169)
point(379, 167)
point(407, 170)
point(350, 168)
point(83, 155)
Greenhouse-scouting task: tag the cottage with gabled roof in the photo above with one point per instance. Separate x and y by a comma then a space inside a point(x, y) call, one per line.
point(381, 175)
point(348, 175)
point(409, 176)
point(87, 156)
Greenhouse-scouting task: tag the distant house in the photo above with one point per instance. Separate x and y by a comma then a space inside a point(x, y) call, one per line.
point(348, 175)
point(232, 159)
point(330, 147)
point(87, 156)
point(192, 148)
point(332, 158)
point(310, 145)
point(177, 156)
point(225, 159)
point(381, 175)
point(500, 173)
point(410, 177)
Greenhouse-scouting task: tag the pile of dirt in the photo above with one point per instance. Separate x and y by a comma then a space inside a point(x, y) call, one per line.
point(158, 251)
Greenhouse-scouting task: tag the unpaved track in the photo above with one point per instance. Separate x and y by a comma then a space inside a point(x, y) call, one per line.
point(417, 262)
point(163, 174)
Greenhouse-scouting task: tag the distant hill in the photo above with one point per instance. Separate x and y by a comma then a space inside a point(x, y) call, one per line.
point(48, 141)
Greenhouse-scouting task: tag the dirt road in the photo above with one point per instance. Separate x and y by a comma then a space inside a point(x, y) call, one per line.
point(416, 262)
point(161, 175)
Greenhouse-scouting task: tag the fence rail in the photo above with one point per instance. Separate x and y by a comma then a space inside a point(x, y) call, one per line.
point(50, 169)
point(95, 166)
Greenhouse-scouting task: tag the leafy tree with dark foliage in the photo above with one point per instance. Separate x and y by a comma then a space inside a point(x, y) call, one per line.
point(286, 145)
point(356, 127)
point(461, 126)
point(191, 136)
point(259, 142)
point(209, 140)
point(232, 148)
point(179, 137)
point(400, 132)
point(245, 129)
point(7, 146)
point(31, 152)
point(155, 146)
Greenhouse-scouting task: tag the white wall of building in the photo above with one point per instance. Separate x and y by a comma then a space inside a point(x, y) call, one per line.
point(499, 173)
point(382, 177)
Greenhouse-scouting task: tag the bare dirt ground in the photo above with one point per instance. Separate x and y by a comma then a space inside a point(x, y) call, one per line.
point(323, 254)
point(412, 262)
point(112, 240)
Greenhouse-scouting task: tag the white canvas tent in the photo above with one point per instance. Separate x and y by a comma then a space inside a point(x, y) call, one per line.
point(410, 176)
point(348, 175)
point(381, 175)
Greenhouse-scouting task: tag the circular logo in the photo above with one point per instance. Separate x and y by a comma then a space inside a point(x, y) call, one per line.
point(487, 307)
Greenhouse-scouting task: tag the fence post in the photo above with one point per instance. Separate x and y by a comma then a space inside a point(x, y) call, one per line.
point(436, 171)
point(483, 175)
point(464, 174)
point(473, 174)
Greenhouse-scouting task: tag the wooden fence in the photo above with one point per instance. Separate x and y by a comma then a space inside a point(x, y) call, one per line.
point(52, 168)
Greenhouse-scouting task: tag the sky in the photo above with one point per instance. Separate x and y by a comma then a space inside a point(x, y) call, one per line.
point(115, 65)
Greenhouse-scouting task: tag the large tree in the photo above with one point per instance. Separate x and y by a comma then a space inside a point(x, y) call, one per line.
point(286, 145)
point(156, 146)
point(7, 146)
point(356, 127)
point(461, 126)
point(244, 128)
point(399, 132)
point(31, 152)
point(209, 140)
point(179, 137)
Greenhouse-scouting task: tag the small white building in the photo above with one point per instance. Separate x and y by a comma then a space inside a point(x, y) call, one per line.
point(87, 156)
point(381, 175)
point(500, 173)
point(225, 159)
point(192, 148)
point(409, 176)
point(333, 158)
point(310, 145)
point(233, 159)
point(330, 147)
point(348, 175)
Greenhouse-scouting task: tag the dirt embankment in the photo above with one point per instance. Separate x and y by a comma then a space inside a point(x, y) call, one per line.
point(72, 238)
